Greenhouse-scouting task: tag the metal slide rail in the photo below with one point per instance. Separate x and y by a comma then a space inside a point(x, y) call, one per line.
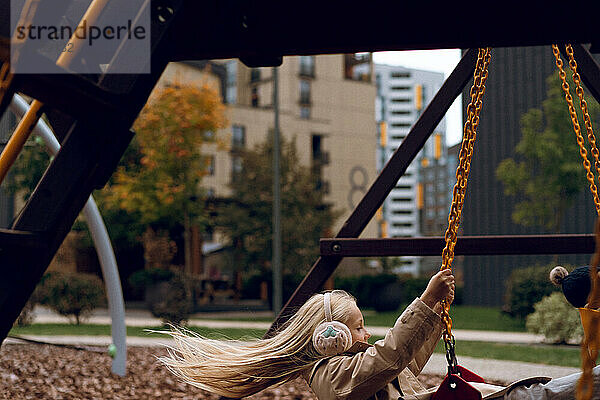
point(106, 255)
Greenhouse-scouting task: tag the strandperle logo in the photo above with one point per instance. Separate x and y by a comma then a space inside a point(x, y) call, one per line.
point(83, 31)
point(82, 36)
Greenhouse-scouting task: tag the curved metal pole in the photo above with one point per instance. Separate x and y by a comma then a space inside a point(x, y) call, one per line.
point(103, 246)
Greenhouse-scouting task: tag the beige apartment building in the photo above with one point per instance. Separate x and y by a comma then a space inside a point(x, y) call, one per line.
point(326, 104)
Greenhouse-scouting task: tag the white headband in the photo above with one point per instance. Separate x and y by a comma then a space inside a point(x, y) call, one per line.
point(327, 306)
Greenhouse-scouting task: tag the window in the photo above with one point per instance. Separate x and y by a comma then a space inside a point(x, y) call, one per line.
point(400, 87)
point(254, 75)
point(319, 157)
point(304, 92)
point(238, 138)
point(401, 100)
point(357, 67)
point(304, 112)
point(400, 112)
point(400, 74)
point(231, 79)
point(236, 168)
point(254, 96)
point(307, 66)
point(400, 125)
point(402, 212)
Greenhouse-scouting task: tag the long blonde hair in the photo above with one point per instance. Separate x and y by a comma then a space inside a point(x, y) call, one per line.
point(234, 368)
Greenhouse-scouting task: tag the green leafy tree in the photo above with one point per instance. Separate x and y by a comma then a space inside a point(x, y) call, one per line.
point(161, 181)
point(547, 174)
point(246, 217)
point(28, 168)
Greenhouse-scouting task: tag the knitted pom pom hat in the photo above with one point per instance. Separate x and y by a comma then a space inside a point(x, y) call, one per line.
point(575, 285)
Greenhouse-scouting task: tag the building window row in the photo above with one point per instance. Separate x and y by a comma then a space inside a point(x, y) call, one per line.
point(400, 87)
point(400, 75)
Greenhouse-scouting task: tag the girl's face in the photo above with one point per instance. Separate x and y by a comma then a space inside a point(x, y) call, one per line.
point(356, 324)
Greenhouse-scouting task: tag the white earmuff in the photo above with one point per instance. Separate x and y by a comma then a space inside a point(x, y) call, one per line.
point(331, 337)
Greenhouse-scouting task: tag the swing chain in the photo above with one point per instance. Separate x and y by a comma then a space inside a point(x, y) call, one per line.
point(462, 173)
point(589, 350)
point(451, 356)
point(576, 126)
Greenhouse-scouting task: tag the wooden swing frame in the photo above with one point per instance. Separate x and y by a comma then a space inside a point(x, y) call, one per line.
point(95, 119)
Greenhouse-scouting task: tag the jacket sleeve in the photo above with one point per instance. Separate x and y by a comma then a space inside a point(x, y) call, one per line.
point(424, 353)
point(363, 374)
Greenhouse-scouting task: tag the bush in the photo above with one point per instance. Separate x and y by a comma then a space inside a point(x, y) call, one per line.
point(171, 302)
point(525, 287)
point(556, 319)
point(368, 288)
point(147, 277)
point(27, 316)
point(72, 294)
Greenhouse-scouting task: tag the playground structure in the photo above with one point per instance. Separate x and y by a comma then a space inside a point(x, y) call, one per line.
point(97, 112)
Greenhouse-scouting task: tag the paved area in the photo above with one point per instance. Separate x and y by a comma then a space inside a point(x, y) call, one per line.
point(144, 318)
point(496, 370)
point(503, 371)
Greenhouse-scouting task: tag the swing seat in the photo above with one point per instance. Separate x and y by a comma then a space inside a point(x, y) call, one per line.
point(456, 386)
point(587, 321)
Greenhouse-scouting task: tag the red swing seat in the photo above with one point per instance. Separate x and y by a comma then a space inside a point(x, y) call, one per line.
point(455, 386)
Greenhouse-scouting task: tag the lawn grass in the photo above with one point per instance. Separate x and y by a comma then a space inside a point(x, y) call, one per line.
point(564, 356)
point(104, 330)
point(463, 317)
point(567, 356)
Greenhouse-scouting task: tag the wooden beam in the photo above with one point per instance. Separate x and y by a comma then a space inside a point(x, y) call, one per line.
point(465, 245)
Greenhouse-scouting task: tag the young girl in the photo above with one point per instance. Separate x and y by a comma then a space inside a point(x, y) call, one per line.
point(325, 342)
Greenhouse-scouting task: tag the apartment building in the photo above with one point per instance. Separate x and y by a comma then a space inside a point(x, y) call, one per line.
point(418, 202)
point(326, 104)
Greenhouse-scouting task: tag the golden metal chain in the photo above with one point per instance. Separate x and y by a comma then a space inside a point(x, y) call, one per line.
point(462, 172)
point(584, 109)
point(582, 150)
point(589, 349)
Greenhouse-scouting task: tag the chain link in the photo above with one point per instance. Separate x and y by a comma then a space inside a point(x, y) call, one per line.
point(577, 128)
point(589, 349)
point(462, 173)
point(584, 108)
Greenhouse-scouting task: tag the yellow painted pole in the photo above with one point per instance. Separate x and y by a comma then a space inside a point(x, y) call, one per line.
point(89, 18)
point(23, 131)
point(18, 139)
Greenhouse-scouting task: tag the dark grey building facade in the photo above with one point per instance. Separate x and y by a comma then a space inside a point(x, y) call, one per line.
point(516, 83)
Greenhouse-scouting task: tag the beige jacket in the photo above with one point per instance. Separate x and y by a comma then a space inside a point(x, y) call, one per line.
point(388, 369)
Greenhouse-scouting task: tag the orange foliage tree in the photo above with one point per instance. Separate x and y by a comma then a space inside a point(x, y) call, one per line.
point(162, 182)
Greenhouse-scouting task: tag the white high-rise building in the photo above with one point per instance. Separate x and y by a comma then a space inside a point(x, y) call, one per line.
point(402, 95)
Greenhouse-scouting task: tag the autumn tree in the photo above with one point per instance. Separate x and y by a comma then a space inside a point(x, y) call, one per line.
point(163, 182)
point(547, 173)
point(246, 216)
